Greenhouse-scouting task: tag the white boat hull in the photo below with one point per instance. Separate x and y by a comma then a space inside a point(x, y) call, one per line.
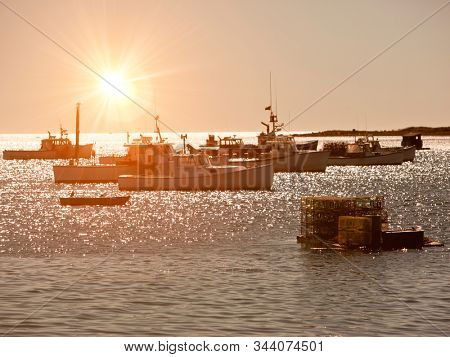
point(84, 152)
point(216, 178)
point(393, 158)
point(303, 161)
point(409, 152)
point(89, 173)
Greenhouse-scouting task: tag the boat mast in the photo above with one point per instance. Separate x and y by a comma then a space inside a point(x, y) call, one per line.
point(77, 132)
point(157, 129)
point(273, 116)
point(184, 137)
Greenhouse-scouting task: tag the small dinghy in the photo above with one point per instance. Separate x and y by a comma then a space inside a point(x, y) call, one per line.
point(93, 201)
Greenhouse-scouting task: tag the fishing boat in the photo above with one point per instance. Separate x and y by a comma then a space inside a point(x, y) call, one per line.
point(409, 152)
point(413, 139)
point(53, 148)
point(190, 172)
point(94, 201)
point(231, 149)
point(287, 158)
point(361, 153)
point(155, 165)
point(286, 155)
point(143, 154)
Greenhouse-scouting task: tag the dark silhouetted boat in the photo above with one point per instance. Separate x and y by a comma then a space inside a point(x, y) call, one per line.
point(413, 139)
point(53, 148)
point(94, 201)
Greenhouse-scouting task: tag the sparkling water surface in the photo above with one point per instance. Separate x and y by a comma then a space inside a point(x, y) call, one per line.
point(217, 263)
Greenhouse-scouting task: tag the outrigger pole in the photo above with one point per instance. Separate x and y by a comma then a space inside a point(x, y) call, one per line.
point(157, 129)
point(77, 132)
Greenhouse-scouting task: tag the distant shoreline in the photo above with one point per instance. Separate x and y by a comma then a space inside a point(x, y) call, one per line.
point(425, 131)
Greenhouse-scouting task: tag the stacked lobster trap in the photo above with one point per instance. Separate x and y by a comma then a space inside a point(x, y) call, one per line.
point(319, 215)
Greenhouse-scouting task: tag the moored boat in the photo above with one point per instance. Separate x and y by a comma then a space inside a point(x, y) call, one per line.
point(413, 139)
point(190, 172)
point(53, 148)
point(362, 153)
point(287, 158)
point(409, 152)
point(94, 201)
point(142, 155)
point(287, 154)
point(395, 158)
point(232, 150)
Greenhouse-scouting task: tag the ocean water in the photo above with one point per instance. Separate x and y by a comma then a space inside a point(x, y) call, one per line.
point(217, 263)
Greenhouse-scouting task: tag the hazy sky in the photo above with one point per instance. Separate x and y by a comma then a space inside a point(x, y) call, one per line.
point(204, 65)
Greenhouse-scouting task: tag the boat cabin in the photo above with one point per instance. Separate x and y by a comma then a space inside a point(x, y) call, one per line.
point(148, 153)
point(282, 143)
point(230, 142)
point(53, 143)
point(414, 139)
point(374, 145)
point(211, 141)
point(191, 160)
point(358, 148)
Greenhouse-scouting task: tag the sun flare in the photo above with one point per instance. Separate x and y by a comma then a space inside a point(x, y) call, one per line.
point(115, 84)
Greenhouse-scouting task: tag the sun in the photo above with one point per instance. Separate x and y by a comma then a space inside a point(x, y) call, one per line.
point(115, 80)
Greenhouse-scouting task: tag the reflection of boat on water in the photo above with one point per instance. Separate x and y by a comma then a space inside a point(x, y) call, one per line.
point(94, 201)
point(364, 152)
point(195, 172)
point(53, 148)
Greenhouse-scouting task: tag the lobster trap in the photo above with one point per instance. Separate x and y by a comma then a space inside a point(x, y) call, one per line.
point(319, 215)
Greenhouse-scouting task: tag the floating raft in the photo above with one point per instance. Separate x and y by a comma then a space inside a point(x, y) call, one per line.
point(336, 223)
point(390, 240)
